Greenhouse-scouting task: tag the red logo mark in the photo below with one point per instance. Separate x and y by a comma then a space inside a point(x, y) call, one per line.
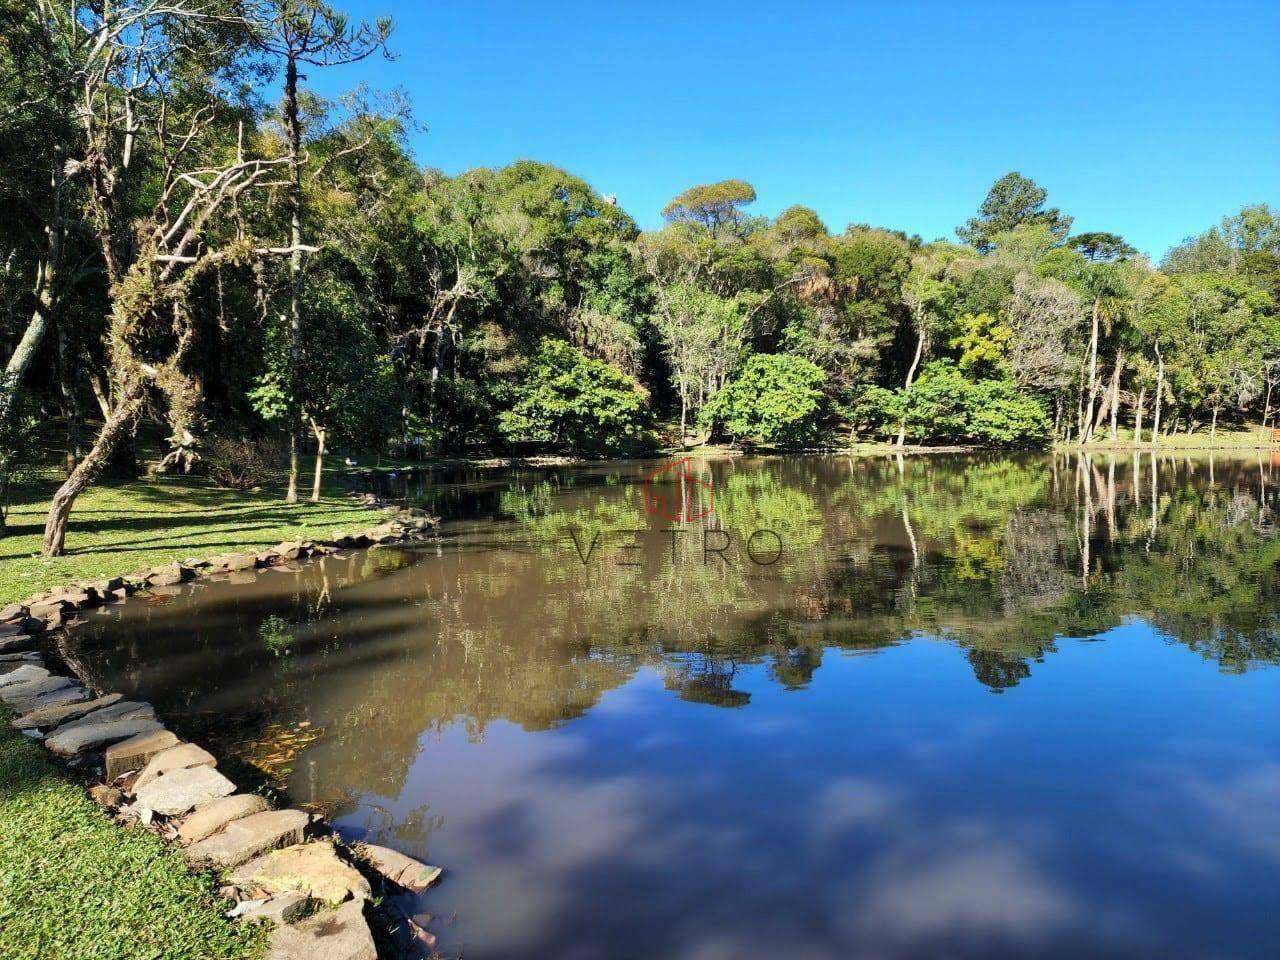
point(678, 474)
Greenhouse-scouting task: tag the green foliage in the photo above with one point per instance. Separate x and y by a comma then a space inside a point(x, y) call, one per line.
point(18, 435)
point(1101, 246)
point(1014, 201)
point(983, 343)
point(713, 205)
point(568, 400)
point(345, 383)
point(946, 406)
point(775, 400)
point(276, 636)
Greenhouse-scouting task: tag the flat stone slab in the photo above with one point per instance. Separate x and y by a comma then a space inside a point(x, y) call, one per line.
point(12, 661)
point(211, 817)
point(178, 792)
point(11, 612)
point(170, 575)
point(121, 710)
point(311, 868)
point(58, 698)
point(171, 758)
point(235, 561)
point(17, 643)
point(134, 753)
point(51, 716)
point(24, 673)
point(70, 742)
point(249, 837)
point(403, 871)
point(22, 656)
point(278, 910)
point(341, 934)
point(19, 695)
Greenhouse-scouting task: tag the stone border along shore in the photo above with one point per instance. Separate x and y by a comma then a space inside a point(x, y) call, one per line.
point(284, 867)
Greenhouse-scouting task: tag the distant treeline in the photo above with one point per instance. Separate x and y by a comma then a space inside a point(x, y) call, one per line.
point(178, 249)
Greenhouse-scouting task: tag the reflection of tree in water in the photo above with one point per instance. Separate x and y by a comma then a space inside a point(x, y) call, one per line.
point(709, 680)
point(507, 624)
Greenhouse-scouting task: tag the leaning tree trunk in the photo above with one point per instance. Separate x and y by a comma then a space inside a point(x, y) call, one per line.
point(48, 280)
point(117, 426)
point(1115, 394)
point(911, 376)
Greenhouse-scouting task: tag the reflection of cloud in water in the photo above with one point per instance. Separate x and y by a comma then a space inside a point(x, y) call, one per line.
point(968, 887)
point(1246, 806)
point(852, 803)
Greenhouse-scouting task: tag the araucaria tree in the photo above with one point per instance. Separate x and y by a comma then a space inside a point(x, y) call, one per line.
point(305, 34)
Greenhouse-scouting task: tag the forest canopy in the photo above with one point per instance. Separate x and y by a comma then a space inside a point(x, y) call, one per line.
point(183, 253)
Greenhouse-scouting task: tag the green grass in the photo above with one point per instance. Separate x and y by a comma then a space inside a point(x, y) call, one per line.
point(1252, 436)
point(120, 528)
point(76, 886)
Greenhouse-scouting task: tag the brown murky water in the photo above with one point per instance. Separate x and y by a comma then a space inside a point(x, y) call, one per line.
point(961, 706)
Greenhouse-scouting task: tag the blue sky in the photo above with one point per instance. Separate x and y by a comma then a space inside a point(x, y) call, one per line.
point(1149, 119)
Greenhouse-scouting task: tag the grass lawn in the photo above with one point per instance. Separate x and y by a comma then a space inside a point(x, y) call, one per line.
point(1250, 437)
point(76, 886)
point(119, 528)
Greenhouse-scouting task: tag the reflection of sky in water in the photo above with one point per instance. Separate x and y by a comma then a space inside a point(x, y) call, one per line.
point(686, 763)
point(892, 808)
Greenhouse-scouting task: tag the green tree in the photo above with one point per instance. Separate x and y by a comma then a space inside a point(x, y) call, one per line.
point(340, 383)
point(714, 206)
point(570, 401)
point(776, 400)
point(1014, 201)
point(306, 33)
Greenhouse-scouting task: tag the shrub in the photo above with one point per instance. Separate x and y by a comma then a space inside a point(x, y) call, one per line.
point(776, 400)
point(567, 399)
point(242, 463)
point(1000, 415)
point(944, 406)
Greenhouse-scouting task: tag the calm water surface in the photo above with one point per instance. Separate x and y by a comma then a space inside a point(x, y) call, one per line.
point(977, 706)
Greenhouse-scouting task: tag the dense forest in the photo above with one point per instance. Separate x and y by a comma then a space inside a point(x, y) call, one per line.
point(251, 272)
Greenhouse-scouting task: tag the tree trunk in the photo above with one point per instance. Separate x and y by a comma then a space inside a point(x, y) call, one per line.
point(911, 376)
point(1115, 393)
point(115, 428)
point(1155, 425)
point(70, 400)
point(1213, 430)
point(25, 352)
point(1086, 421)
point(315, 484)
point(48, 280)
point(294, 134)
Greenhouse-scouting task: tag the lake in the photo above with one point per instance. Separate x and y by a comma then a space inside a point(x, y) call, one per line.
point(949, 706)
